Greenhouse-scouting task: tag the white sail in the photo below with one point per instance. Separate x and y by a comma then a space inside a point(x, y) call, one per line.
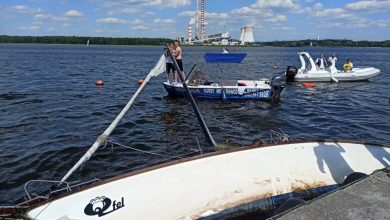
point(157, 70)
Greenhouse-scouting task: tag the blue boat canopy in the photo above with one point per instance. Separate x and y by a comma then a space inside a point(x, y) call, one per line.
point(224, 57)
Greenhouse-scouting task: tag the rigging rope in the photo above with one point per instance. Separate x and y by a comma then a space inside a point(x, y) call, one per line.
point(151, 153)
point(157, 70)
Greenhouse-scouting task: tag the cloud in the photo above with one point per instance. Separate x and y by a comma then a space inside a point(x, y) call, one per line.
point(164, 21)
point(277, 18)
point(137, 22)
point(371, 6)
point(319, 11)
point(146, 3)
point(123, 11)
point(74, 13)
point(168, 3)
point(139, 27)
point(24, 9)
point(42, 16)
point(276, 4)
point(149, 13)
point(111, 20)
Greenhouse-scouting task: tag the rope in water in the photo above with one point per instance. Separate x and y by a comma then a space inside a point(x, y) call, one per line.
point(151, 153)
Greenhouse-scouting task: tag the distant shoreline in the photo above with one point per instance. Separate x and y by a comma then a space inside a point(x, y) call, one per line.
point(161, 41)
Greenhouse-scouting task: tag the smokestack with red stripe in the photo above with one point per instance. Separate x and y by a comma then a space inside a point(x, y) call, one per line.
point(202, 22)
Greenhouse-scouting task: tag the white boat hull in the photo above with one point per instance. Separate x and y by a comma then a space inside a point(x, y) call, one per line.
point(310, 72)
point(357, 74)
point(195, 187)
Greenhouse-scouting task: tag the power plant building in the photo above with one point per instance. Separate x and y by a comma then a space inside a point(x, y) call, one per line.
point(199, 35)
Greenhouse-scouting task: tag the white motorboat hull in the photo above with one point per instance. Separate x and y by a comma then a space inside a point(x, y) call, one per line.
point(310, 72)
point(357, 74)
point(216, 182)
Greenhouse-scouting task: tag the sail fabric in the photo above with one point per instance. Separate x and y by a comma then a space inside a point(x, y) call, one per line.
point(159, 67)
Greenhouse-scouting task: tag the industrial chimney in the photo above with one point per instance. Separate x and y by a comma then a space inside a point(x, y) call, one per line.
point(189, 32)
point(197, 20)
point(202, 21)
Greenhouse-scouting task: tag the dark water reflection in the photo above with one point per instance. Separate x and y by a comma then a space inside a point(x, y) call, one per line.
point(51, 111)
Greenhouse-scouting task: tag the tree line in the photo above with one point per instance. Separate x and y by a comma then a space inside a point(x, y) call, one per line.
point(160, 41)
point(82, 40)
point(325, 43)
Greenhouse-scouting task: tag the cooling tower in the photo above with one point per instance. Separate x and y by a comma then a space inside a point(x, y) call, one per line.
point(242, 34)
point(246, 35)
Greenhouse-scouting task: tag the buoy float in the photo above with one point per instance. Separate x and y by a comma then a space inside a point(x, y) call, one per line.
point(140, 81)
point(309, 84)
point(99, 82)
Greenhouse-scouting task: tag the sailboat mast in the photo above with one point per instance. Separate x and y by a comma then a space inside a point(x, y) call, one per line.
point(192, 101)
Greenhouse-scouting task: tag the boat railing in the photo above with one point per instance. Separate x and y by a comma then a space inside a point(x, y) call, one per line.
point(55, 187)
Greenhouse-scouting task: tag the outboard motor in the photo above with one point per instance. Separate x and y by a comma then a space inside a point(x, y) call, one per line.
point(290, 73)
point(278, 82)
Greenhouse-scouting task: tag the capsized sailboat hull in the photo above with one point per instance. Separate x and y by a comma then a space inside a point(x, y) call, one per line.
point(216, 182)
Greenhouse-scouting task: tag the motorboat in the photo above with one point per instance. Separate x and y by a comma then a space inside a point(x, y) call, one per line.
point(262, 90)
point(224, 57)
point(310, 72)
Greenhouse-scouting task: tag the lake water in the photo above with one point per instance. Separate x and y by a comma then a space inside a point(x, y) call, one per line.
point(51, 110)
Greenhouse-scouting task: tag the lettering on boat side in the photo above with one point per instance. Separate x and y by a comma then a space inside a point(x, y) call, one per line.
point(101, 206)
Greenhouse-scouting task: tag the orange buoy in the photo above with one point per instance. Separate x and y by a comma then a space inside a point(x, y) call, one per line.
point(140, 81)
point(309, 84)
point(99, 82)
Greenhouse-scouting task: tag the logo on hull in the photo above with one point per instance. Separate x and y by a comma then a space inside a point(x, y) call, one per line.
point(102, 205)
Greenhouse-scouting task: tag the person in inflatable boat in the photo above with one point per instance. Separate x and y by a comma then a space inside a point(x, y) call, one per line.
point(348, 66)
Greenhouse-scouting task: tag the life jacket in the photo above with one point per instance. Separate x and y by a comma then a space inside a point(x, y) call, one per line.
point(347, 66)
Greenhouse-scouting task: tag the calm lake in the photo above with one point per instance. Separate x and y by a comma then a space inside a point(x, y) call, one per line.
point(51, 111)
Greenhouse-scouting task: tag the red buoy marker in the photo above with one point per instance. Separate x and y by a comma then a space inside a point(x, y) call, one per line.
point(309, 84)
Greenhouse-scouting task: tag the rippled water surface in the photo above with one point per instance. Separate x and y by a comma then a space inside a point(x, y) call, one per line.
point(51, 110)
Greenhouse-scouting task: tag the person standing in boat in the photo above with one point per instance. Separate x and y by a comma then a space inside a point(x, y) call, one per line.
point(321, 62)
point(178, 54)
point(332, 60)
point(168, 62)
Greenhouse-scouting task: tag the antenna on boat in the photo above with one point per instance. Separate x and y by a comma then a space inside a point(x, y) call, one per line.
point(192, 101)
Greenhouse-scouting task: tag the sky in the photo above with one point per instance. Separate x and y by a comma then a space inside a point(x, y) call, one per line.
point(271, 19)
